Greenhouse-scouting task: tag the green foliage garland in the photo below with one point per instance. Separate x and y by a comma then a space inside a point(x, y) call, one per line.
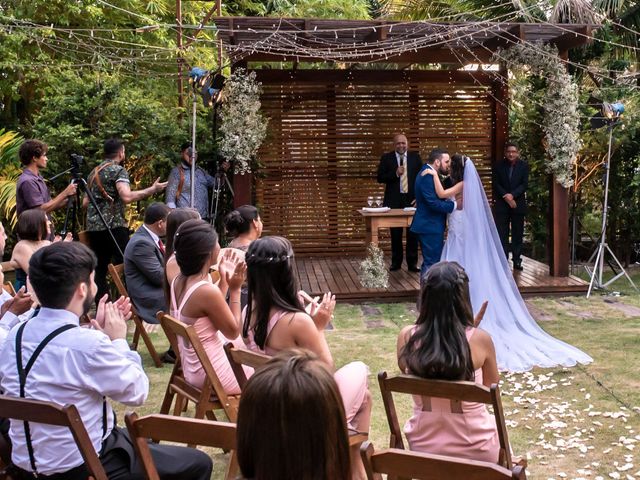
point(561, 119)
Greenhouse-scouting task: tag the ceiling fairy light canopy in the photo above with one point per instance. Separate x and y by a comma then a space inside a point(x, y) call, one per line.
point(364, 41)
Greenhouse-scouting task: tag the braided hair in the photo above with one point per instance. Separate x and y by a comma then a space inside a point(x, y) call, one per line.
point(271, 283)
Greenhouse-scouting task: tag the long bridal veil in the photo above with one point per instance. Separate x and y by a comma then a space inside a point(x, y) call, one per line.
point(520, 343)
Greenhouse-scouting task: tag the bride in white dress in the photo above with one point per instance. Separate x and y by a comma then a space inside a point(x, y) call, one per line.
point(473, 242)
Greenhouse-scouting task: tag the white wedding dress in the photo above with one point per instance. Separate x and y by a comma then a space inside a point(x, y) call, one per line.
point(473, 242)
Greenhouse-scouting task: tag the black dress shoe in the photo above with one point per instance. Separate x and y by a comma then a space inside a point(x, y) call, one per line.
point(393, 268)
point(518, 266)
point(414, 269)
point(168, 357)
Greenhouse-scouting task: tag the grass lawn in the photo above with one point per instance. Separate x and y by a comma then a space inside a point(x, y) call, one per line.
point(582, 422)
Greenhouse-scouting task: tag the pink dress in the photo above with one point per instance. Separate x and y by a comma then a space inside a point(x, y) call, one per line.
point(471, 434)
point(351, 379)
point(212, 341)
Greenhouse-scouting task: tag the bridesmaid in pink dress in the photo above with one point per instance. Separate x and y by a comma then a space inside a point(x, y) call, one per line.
point(445, 345)
point(275, 320)
point(196, 301)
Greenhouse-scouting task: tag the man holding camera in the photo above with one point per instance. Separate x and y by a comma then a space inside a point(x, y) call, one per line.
point(178, 193)
point(109, 184)
point(31, 191)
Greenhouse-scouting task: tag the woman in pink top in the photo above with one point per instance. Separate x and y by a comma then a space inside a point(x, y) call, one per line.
point(275, 320)
point(196, 301)
point(445, 345)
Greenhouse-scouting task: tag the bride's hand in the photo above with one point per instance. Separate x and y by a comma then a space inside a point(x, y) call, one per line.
point(480, 314)
point(428, 171)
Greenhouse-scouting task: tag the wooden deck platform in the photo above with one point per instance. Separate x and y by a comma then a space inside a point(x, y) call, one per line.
point(340, 276)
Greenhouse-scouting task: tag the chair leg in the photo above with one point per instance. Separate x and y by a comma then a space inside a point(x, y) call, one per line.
point(136, 337)
point(232, 466)
point(150, 347)
point(178, 407)
point(167, 401)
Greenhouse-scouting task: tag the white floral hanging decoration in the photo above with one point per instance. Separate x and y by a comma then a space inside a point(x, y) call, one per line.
point(243, 127)
point(561, 121)
point(373, 273)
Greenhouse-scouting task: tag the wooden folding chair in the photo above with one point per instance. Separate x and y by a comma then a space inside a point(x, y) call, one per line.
point(180, 430)
point(8, 287)
point(457, 391)
point(51, 414)
point(206, 399)
point(239, 357)
point(396, 463)
point(117, 273)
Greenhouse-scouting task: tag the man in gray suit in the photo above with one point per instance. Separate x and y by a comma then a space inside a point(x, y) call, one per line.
point(144, 264)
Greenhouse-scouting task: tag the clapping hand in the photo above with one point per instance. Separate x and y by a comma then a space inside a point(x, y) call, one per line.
point(322, 312)
point(110, 320)
point(17, 305)
point(122, 305)
point(232, 269)
point(480, 314)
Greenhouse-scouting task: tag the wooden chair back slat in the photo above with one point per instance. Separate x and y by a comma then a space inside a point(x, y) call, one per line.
point(453, 390)
point(51, 414)
point(180, 430)
point(212, 382)
point(239, 357)
point(8, 287)
point(117, 273)
point(406, 464)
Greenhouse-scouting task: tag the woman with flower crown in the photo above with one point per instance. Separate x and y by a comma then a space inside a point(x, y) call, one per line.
point(275, 320)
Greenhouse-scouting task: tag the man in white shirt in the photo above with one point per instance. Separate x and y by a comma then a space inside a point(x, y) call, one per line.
point(80, 366)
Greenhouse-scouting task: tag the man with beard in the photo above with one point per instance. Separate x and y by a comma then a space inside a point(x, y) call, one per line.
point(82, 367)
point(430, 218)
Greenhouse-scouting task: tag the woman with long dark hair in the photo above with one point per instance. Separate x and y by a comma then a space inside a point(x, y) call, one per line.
point(444, 345)
point(276, 320)
point(473, 241)
point(196, 301)
point(175, 218)
point(278, 436)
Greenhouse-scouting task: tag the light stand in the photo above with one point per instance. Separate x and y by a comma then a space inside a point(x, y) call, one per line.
point(603, 247)
point(192, 193)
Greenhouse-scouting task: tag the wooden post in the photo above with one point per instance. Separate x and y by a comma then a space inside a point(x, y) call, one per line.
point(559, 222)
point(180, 59)
point(500, 93)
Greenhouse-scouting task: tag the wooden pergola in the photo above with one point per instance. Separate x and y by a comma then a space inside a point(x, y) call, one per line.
point(330, 123)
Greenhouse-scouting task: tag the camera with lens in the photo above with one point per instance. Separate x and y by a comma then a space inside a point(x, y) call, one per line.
point(76, 164)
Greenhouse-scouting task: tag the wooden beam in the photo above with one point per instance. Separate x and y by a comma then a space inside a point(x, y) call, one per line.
point(180, 57)
point(504, 39)
point(368, 77)
point(204, 21)
point(380, 33)
point(570, 40)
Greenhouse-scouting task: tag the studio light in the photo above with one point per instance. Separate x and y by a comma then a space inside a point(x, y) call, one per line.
point(207, 84)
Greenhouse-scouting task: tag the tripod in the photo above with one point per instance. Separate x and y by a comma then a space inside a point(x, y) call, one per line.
point(221, 181)
point(72, 208)
point(603, 247)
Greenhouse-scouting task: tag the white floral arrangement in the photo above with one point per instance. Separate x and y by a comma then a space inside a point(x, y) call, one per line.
point(561, 121)
point(373, 273)
point(243, 127)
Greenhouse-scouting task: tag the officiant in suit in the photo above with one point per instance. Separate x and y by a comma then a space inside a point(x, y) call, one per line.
point(510, 182)
point(398, 171)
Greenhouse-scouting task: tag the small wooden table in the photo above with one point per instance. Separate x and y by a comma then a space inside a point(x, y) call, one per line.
point(396, 217)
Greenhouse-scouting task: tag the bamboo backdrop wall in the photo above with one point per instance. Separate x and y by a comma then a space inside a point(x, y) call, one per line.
point(328, 130)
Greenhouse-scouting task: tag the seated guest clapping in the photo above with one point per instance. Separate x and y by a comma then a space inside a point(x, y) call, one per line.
point(445, 345)
point(291, 422)
point(276, 320)
point(144, 263)
point(83, 367)
point(196, 301)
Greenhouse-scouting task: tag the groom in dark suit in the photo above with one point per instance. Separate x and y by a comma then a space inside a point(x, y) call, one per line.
point(510, 182)
point(431, 214)
point(398, 170)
